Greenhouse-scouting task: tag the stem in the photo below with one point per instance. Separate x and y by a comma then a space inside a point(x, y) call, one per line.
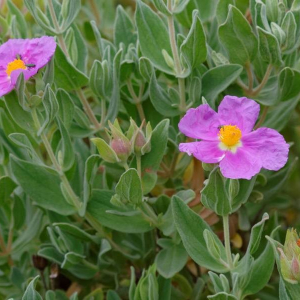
point(250, 77)
point(7, 249)
point(10, 239)
point(249, 89)
point(2, 244)
point(178, 69)
point(181, 83)
point(103, 113)
point(227, 241)
point(140, 111)
point(43, 280)
point(263, 117)
point(94, 223)
point(53, 16)
point(54, 161)
point(88, 109)
point(257, 90)
point(139, 165)
point(63, 45)
point(58, 29)
point(165, 167)
point(197, 181)
point(150, 214)
point(125, 166)
point(242, 85)
point(137, 99)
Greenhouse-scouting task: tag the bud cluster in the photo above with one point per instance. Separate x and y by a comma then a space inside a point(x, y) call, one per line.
point(121, 145)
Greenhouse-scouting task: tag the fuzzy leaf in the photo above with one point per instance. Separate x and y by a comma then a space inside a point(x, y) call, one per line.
point(153, 36)
point(191, 227)
point(238, 38)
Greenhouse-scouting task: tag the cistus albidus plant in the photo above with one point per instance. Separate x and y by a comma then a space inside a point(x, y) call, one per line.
point(149, 149)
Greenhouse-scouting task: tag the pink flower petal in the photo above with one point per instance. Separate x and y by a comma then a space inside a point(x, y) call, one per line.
point(200, 123)
point(5, 83)
point(269, 145)
point(10, 49)
point(242, 112)
point(263, 148)
point(36, 51)
point(206, 151)
point(243, 164)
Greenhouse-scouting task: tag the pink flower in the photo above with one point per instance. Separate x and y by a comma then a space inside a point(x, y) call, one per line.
point(27, 56)
point(227, 138)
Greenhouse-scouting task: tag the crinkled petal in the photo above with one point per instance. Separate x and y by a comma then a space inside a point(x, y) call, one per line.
point(38, 52)
point(269, 146)
point(200, 123)
point(206, 151)
point(10, 49)
point(243, 164)
point(242, 112)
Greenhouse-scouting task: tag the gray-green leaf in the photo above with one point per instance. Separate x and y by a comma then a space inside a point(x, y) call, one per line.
point(194, 46)
point(238, 38)
point(153, 36)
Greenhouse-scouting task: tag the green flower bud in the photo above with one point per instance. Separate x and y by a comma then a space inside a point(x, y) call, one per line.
point(120, 143)
point(290, 257)
point(296, 268)
point(105, 151)
point(139, 142)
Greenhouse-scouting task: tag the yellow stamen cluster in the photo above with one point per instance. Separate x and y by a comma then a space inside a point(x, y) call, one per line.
point(230, 135)
point(15, 65)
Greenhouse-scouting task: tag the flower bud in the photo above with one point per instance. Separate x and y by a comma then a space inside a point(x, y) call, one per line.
point(105, 151)
point(296, 268)
point(139, 142)
point(290, 258)
point(122, 148)
point(120, 143)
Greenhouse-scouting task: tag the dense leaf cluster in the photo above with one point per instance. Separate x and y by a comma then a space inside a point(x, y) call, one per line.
point(96, 201)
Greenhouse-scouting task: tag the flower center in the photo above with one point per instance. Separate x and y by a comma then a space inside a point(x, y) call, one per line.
point(230, 135)
point(15, 65)
point(298, 242)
